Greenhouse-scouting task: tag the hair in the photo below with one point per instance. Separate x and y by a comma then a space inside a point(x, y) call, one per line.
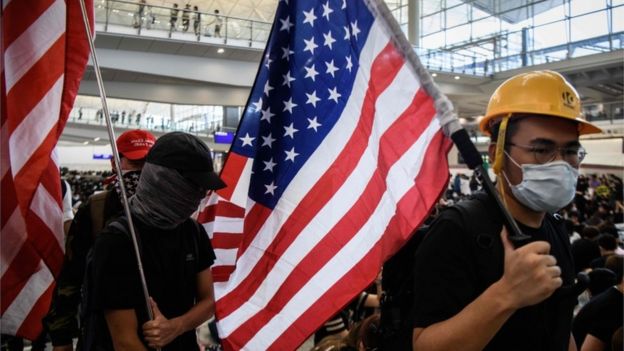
point(370, 335)
point(607, 242)
point(584, 251)
point(615, 263)
point(590, 232)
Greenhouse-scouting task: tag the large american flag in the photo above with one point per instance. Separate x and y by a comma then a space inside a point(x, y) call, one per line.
point(44, 53)
point(339, 156)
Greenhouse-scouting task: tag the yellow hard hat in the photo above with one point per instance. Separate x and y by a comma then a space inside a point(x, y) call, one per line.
point(538, 92)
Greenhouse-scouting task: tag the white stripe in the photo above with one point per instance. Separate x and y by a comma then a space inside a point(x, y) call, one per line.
point(5, 3)
point(228, 225)
point(5, 163)
point(392, 103)
point(23, 303)
point(31, 45)
point(13, 235)
point(325, 155)
point(400, 179)
point(47, 208)
point(32, 131)
point(225, 257)
point(241, 192)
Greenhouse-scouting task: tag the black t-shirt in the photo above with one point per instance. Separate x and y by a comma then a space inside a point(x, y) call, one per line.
point(453, 267)
point(171, 261)
point(601, 317)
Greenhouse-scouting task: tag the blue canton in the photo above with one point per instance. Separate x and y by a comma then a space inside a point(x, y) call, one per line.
point(301, 89)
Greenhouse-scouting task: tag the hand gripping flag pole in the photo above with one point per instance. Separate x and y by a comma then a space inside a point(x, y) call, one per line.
point(112, 138)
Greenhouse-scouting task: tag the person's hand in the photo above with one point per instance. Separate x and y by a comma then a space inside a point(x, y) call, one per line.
point(531, 273)
point(63, 348)
point(160, 331)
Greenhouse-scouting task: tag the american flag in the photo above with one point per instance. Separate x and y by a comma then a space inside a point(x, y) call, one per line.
point(44, 53)
point(339, 156)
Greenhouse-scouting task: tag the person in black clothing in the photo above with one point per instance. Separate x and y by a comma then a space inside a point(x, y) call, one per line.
point(175, 252)
point(196, 21)
point(476, 290)
point(61, 320)
point(186, 19)
point(601, 317)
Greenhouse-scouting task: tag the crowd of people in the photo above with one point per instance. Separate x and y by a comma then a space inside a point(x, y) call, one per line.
point(145, 16)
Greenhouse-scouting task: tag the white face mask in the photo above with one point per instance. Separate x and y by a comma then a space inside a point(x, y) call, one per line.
point(547, 187)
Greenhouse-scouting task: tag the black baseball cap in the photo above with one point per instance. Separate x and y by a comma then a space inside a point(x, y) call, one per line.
point(188, 155)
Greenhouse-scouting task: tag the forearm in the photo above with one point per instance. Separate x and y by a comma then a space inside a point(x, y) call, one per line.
point(472, 328)
point(197, 315)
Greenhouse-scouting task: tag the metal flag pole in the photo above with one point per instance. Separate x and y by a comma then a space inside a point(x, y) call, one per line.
point(112, 138)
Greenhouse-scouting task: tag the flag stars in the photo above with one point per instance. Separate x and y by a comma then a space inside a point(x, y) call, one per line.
point(289, 105)
point(258, 104)
point(344, 5)
point(312, 98)
point(286, 52)
point(267, 62)
point(313, 123)
point(287, 79)
point(334, 95)
point(247, 139)
point(290, 130)
point(349, 63)
point(327, 10)
point(268, 140)
point(310, 72)
point(310, 45)
point(266, 115)
point(329, 40)
point(310, 17)
point(290, 155)
point(354, 29)
point(270, 188)
point(286, 24)
point(347, 33)
point(267, 88)
point(268, 165)
point(331, 69)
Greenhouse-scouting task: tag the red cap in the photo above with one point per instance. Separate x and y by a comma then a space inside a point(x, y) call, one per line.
point(134, 144)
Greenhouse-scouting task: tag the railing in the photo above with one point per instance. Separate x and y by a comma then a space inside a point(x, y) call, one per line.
point(137, 18)
point(613, 112)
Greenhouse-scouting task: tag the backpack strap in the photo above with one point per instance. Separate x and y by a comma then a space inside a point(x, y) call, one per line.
point(97, 204)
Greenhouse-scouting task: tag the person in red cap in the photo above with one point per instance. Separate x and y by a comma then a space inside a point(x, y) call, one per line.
point(61, 321)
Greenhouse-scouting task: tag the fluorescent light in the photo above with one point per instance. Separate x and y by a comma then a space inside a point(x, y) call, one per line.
point(86, 143)
point(96, 139)
point(221, 50)
point(434, 75)
point(456, 77)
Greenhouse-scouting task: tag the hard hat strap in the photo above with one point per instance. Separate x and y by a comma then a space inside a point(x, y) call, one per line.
point(500, 146)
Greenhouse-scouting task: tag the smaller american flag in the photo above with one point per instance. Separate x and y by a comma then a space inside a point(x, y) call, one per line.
point(338, 157)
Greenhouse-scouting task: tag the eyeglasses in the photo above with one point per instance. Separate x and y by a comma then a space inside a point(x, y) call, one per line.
point(545, 153)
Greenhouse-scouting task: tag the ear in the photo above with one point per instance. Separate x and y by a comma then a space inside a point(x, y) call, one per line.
point(492, 152)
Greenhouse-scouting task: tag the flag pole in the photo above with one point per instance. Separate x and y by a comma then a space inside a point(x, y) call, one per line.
point(112, 138)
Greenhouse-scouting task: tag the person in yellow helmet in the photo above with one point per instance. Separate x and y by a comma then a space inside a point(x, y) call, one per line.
point(474, 288)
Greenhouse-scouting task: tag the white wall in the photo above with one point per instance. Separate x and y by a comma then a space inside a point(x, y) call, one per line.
point(81, 157)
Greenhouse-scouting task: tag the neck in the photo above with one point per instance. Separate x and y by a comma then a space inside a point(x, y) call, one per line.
point(518, 211)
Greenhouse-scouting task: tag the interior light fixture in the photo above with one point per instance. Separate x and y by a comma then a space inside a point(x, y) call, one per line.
point(85, 143)
point(434, 75)
point(221, 50)
point(456, 77)
point(96, 139)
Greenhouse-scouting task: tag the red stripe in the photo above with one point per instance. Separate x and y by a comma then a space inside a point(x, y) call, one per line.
point(8, 199)
point(231, 173)
point(226, 240)
point(420, 198)
point(32, 326)
point(35, 84)
point(385, 67)
point(16, 276)
point(221, 273)
point(403, 133)
point(19, 15)
point(222, 209)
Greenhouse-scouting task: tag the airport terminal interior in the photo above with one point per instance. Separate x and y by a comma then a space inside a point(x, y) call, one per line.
point(196, 77)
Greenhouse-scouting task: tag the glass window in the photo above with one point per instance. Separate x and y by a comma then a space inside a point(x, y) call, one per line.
point(555, 14)
point(428, 7)
point(580, 7)
point(549, 35)
point(457, 15)
point(433, 41)
point(618, 25)
point(431, 24)
point(458, 34)
point(589, 26)
point(484, 27)
point(617, 2)
point(477, 14)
